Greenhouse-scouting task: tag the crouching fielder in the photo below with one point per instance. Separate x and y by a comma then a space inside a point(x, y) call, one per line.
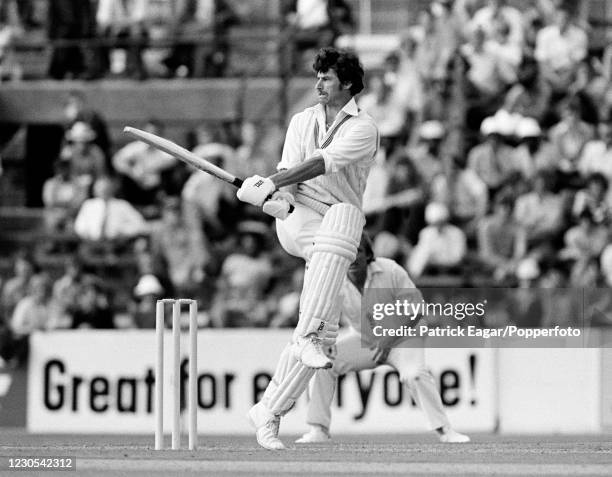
point(359, 349)
point(328, 152)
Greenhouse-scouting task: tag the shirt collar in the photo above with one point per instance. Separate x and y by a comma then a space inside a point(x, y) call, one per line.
point(349, 108)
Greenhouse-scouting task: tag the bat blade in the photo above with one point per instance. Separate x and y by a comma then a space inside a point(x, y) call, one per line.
point(183, 154)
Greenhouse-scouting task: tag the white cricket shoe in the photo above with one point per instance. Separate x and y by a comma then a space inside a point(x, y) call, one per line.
point(315, 435)
point(450, 436)
point(310, 352)
point(266, 427)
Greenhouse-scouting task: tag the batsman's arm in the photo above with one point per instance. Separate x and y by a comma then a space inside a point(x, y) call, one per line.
point(307, 170)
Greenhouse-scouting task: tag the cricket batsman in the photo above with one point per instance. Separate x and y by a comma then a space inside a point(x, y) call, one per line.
point(327, 155)
point(358, 349)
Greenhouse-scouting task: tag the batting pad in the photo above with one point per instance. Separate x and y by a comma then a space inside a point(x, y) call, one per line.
point(335, 248)
point(288, 383)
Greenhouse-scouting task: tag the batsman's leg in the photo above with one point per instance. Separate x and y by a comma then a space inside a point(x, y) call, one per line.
point(335, 248)
point(288, 383)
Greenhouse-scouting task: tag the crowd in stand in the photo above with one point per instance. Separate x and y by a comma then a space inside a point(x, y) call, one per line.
point(496, 132)
point(177, 231)
point(94, 39)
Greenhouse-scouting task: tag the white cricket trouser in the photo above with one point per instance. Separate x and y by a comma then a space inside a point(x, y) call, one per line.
point(297, 232)
point(328, 244)
point(351, 356)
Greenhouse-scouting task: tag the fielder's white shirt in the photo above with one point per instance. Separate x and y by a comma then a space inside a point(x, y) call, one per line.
point(348, 147)
point(386, 282)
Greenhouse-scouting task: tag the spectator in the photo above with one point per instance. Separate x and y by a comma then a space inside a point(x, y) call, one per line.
point(530, 96)
point(464, 193)
point(586, 275)
point(93, 306)
point(16, 287)
point(559, 308)
point(596, 157)
point(408, 90)
point(606, 264)
point(66, 292)
point(87, 159)
point(492, 64)
point(146, 293)
point(288, 307)
point(211, 140)
point(70, 21)
point(438, 39)
point(560, 51)
point(441, 246)
point(585, 240)
point(33, 310)
point(498, 14)
point(123, 22)
point(259, 145)
point(569, 136)
point(541, 212)
point(380, 104)
point(493, 160)
point(174, 245)
point(62, 197)
point(141, 168)
point(108, 221)
point(315, 24)
point(10, 30)
point(594, 199)
point(76, 110)
point(245, 275)
point(403, 200)
point(501, 242)
point(30, 314)
point(528, 148)
point(206, 22)
point(209, 204)
point(525, 302)
point(425, 154)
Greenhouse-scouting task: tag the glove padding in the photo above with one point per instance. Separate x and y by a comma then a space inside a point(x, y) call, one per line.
point(280, 205)
point(329, 334)
point(255, 190)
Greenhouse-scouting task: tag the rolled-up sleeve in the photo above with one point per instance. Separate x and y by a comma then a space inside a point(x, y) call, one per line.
point(291, 149)
point(359, 144)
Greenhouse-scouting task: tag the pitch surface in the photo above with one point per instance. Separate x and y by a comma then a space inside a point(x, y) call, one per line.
point(346, 455)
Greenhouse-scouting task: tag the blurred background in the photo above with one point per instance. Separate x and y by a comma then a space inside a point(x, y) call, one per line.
point(496, 158)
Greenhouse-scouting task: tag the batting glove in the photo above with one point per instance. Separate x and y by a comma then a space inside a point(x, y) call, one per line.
point(280, 205)
point(329, 334)
point(255, 190)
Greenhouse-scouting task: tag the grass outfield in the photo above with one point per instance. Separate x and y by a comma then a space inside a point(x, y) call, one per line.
point(346, 455)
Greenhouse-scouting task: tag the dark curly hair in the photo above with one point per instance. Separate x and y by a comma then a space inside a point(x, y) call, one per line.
point(344, 63)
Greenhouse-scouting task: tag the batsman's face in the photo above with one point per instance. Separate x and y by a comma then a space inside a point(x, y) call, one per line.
point(329, 89)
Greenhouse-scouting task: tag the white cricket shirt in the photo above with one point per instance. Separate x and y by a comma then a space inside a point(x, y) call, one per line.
point(386, 282)
point(348, 147)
